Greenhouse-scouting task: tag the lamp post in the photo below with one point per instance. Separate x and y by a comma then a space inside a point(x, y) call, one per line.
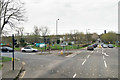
point(57, 26)
point(86, 35)
point(56, 30)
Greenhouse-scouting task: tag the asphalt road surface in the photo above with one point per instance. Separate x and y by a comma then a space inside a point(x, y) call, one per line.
point(100, 63)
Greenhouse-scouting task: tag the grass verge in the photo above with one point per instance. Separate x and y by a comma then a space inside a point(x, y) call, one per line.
point(5, 59)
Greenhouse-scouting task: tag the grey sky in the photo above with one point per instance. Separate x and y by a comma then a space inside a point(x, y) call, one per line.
point(95, 15)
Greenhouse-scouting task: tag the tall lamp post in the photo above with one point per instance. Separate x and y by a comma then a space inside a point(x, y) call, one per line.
point(57, 27)
point(56, 30)
point(86, 35)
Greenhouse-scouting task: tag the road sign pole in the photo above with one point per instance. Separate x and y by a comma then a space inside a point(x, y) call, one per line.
point(13, 52)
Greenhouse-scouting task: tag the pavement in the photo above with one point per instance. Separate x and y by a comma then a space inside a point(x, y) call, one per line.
point(100, 63)
point(8, 72)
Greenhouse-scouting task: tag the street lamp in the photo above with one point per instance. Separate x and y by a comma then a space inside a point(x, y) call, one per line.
point(86, 35)
point(57, 26)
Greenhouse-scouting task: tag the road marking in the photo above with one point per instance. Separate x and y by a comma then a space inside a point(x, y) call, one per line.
point(23, 63)
point(22, 75)
point(93, 74)
point(74, 75)
point(106, 54)
point(88, 56)
point(84, 62)
point(105, 64)
point(103, 57)
point(72, 55)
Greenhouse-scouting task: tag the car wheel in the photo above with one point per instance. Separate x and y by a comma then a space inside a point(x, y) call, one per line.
point(23, 51)
point(33, 51)
point(8, 51)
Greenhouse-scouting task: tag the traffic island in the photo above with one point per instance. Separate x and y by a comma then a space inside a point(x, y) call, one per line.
point(65, 53)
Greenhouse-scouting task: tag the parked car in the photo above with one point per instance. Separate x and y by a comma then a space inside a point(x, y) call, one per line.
point(90, 47)
point(28, 49)
point(105, 46)
point(6, 49)
point(110, 45)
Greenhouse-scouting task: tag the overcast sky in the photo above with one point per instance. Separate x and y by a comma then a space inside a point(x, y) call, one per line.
point(96, 15)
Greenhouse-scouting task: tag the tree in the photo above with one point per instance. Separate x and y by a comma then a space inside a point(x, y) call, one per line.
point(11, 12)
point(44, 31)
point(36, 33)
point(95, 36)
point(19, 31)
point(109, 37)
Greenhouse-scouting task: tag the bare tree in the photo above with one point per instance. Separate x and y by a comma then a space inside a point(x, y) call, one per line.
point(44, 31)
point(19, 31)
point(11, 12)
point(36, 30)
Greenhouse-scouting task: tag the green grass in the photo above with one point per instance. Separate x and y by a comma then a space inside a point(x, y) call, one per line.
point(0, 66)
point(17, 49)
point(5, 59)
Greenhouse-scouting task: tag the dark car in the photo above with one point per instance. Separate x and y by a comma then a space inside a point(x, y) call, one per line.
point(6, 49)
point(94, 45)
point(105, 46)
point(110, 45)
point(90, 47)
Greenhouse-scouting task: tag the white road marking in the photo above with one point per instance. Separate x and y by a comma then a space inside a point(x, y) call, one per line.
point(72, 55)
point(103, 57)
point(88, 56)
point(23, 63)
point(106, 54)
point(105, 64)
point(93, 74)
point(74, 75)
point(84, 62)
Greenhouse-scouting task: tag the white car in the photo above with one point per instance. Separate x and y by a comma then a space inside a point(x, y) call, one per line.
point(28, 49)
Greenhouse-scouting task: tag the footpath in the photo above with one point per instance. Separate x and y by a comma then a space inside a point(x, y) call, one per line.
point(8, 72)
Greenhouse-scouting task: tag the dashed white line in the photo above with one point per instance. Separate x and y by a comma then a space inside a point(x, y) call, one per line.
point(103, 57)
point(88, 56)
point(105, 64)
point(84, 62)
point(74, 75)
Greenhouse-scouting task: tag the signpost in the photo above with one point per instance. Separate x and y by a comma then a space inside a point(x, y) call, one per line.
point(14, 43)
point(13, 52)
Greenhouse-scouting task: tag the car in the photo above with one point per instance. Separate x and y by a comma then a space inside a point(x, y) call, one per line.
point(6, 49)
point(94, 45)
point(90, 47)
point(110, 45)
point(28, 49)
point(105, 46)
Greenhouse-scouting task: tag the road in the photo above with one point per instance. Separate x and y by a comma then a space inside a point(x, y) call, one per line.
point(100, 63)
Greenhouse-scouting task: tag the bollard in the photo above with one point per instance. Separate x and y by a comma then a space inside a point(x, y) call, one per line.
point(61, 52)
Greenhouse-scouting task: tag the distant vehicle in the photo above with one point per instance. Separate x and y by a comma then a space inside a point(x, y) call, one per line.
point(94, 45)
point(28, 49)
point(110, 45)
point(6, 49)
point(90, 47)
point(102, 44)
point(105, 46)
